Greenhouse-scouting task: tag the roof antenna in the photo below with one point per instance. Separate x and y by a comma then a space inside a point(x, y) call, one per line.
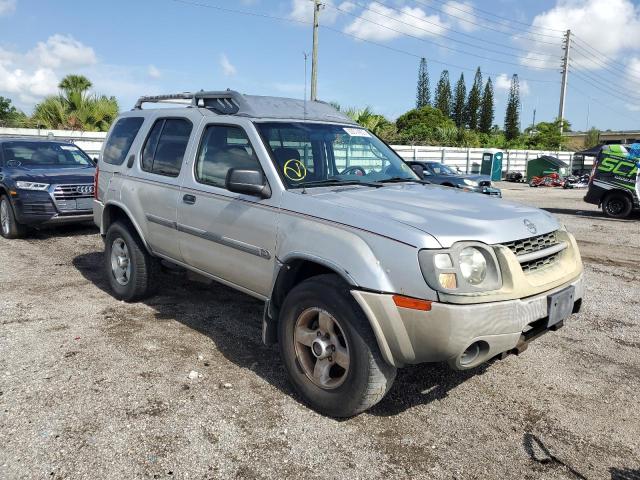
point(306, 56)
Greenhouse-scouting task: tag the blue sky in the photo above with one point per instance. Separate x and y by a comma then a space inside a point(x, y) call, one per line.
point(136, 47)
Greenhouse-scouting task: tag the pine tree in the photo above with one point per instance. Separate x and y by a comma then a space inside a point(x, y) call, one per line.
point(486, 109)
point(459, 114)
point(474, 101)
point(423, 96)
point(443, 94)
point(512, 115)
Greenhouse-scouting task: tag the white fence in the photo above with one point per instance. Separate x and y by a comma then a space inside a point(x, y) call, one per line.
point(469, 159)
point(90, 142)
point(466, 159)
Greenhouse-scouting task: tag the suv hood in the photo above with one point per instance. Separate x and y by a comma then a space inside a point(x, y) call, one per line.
point(448, 214)
point(53, 176)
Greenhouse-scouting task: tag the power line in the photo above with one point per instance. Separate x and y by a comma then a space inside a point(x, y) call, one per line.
point(499, 29)
point(545, 56)
point(607, 91)
point(600, 64)
point(616, 111)
point(602, 55)
point(445, 46)
point(604, 82)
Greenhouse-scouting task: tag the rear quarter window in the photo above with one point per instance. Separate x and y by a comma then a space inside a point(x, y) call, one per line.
point(119, 142)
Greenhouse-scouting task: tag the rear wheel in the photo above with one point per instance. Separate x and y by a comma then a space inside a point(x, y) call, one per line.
point(9, 226)
point(329, 350)
point(132, 271)
point(617, 205)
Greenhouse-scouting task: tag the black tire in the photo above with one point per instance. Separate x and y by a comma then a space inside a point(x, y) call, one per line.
point(142, 280)
point(368, 377)
point(617, 205)
point(10, 228)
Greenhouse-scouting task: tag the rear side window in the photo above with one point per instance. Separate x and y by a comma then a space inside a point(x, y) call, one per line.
point(165, 146)
point(223, 147)
point(120, 140)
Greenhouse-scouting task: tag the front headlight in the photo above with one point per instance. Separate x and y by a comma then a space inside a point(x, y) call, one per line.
point(466, 267)
point(471, 183)
point(32, 186)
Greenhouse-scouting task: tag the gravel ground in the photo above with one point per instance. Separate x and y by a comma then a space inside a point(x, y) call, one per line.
point(95, 388)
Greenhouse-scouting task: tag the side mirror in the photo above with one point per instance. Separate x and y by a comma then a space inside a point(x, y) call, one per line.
point(249, 182)
point(418, 170)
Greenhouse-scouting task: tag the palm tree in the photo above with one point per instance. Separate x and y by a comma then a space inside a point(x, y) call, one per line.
point(369, 120)
point(75, 108)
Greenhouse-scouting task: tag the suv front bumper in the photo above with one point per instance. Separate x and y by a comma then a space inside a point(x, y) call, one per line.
point(444, 333)
point(38, 208)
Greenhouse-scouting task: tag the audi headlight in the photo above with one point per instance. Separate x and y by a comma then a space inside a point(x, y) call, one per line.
point(32, 186)
point(471, 183)
point(466, 267)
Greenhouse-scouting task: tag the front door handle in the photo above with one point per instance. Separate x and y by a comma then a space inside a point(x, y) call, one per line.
point(189, 199)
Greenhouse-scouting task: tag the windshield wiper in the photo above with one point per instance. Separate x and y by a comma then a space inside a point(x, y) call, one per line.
point(403, 179)
point(337, 182)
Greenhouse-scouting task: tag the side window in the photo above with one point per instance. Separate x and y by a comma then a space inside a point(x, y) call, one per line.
point(223, 147)
point(120, 140)
point(165, 146)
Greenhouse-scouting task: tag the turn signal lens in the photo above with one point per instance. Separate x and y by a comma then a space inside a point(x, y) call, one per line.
point(448, 280)
point(412, 303)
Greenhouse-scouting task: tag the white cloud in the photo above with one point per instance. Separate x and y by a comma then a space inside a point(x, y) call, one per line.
point(633, 82)
point(381, 23)
point(227, 67)
point(28, 85)
point(302, 11)
point(7, 7)
point(503, 82)
point(611, 26)
point(153, 72)
point(462, 13)
point(62, 51)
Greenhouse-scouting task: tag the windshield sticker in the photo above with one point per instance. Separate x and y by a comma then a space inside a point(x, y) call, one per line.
point(356, 132)
point(294, 170)
point(69, 148)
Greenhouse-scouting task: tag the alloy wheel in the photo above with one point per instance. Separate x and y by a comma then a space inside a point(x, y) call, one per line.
point(120, 261)
point(321, 348)
point(4, 217)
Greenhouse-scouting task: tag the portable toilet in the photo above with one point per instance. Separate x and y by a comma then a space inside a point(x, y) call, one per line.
point(492, 164)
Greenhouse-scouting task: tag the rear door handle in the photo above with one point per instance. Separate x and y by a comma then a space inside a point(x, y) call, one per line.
point(189, 199)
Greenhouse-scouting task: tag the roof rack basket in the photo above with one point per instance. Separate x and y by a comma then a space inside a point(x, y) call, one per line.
point(228, 102)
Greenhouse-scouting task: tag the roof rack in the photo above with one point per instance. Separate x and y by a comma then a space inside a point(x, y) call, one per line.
point(230, 102)
point(226, 102)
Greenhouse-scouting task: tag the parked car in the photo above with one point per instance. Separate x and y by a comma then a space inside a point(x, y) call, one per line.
point(43, 182)
point(363, 267)
point(612, 184)
point(438, 173)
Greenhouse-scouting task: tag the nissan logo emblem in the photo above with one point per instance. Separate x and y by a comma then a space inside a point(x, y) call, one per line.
point(530, 226)
point(85, 189)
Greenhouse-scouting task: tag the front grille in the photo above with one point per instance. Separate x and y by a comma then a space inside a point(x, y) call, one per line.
point(532, 244)
point(73, 192)
point(37, 209)
point(534, 265)
point(535, 244)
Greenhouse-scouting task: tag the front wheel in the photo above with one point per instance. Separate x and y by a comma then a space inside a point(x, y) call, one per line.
point(132, 271)
point(617, 205)
point(329, 349)
point(9, 226)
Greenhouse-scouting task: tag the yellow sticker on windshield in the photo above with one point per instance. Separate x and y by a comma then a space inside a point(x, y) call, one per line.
point(294, 170)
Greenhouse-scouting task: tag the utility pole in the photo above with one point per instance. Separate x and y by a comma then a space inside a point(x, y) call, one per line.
point(314, 56)
point(565, 75)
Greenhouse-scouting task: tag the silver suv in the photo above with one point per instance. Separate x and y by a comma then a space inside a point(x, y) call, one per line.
point(363, 267)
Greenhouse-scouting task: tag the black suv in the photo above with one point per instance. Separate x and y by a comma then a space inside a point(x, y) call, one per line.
point(43, 182)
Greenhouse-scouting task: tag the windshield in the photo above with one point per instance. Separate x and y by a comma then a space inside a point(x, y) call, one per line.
point(44, 155)
point(440, 169)
point(312, 154)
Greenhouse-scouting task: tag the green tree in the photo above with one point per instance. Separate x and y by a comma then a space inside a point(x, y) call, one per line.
point(486, 108)
point(423, 94)
point(459, 99)
point(442, 99)
point(474, 102)
point(371, 121)
point(593, 138)
point(10, 116)
point(512, 114)
point(427, 125)
point(547, 136)
point(75, 108)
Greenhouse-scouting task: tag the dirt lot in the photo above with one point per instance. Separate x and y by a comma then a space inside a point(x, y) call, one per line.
point(95, 388)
